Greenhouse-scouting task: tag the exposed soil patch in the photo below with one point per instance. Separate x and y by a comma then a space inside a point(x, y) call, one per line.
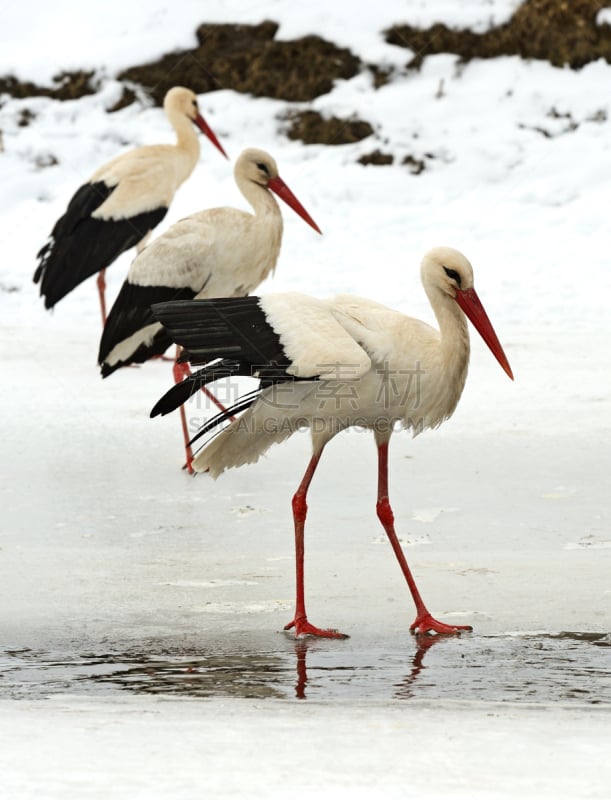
point(381, 75)
point(559, 31)
point(377, 158)
point(312, 128)
point(415, 165)
point(69, 86)
point(25, 117)
point(128, 96)
point(247, 58)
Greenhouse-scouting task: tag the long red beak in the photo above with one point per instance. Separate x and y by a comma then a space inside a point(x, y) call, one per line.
point(279, 187)
point(207, 131)
point(470, 303)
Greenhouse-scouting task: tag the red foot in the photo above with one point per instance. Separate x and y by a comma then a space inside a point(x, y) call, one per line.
point(425, 623)
point(304, 628)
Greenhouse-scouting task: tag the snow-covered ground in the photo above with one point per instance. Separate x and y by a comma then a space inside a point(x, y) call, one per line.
point(140, 609)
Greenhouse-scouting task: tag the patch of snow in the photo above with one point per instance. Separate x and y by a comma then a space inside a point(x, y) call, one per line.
point(603, 17)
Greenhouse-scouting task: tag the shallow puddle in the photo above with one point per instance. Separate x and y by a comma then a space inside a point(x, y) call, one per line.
point(569, 667)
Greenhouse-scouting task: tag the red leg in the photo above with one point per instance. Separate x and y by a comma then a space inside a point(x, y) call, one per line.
point(181, 371)
point(424, 622)
point(102, 292)
point(300, 510)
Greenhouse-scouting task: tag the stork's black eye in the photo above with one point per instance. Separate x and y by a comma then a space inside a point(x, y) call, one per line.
point(451, 273)
point(263, 167)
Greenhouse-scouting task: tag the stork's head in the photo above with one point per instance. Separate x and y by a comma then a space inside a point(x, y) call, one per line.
point(446, 270)
point(179, 100)
point(259, 167)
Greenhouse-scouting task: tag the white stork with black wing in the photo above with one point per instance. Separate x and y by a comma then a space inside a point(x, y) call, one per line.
point(120, 204)
point(219, 252)
point(332, 364)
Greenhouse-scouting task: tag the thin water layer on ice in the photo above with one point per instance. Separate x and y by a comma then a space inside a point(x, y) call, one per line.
point(541, 669)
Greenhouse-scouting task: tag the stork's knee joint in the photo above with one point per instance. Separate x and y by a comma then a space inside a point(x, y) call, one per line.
point(300, 507)
point(384, 512)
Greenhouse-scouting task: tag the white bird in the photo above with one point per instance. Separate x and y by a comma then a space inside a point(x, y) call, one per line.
point(121, 203)
point(332, 364)
point(219, 252)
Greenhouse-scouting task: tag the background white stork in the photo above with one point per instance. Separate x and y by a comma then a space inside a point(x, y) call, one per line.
point(121, 203)
point(332, 365)
point(219, 252)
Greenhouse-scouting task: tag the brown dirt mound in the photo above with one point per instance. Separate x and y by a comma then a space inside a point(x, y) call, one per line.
point(247, 58)
point(559, 31)
point(415, 165)
point(377, 158)
point(69, 86)
point(312, 128)
point(128, 96)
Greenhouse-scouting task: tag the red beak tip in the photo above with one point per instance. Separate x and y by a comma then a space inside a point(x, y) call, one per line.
point(207, 131)
point(279, 187)
point(471, 305)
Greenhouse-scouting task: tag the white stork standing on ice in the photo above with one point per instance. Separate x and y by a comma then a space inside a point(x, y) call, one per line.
point(332, 364)
point(219, 252)
point(120, 204)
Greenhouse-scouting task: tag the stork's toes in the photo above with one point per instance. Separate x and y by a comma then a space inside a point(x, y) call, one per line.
point(425, 623)
point(304, 628)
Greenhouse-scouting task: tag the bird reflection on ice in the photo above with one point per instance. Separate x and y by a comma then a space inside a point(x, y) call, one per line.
point(567, 667)
point(404, 687)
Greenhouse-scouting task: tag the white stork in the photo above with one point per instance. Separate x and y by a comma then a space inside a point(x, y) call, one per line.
point(219, 252)
point(120, 204)
point(332, 364)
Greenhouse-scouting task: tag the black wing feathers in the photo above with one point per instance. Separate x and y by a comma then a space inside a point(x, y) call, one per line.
point(130, 313)
point(234, 330)
point(234, 334)
point(228, 327)
point(224, 416)
point(82, 205)
point(80, 246)
point(181, 392)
